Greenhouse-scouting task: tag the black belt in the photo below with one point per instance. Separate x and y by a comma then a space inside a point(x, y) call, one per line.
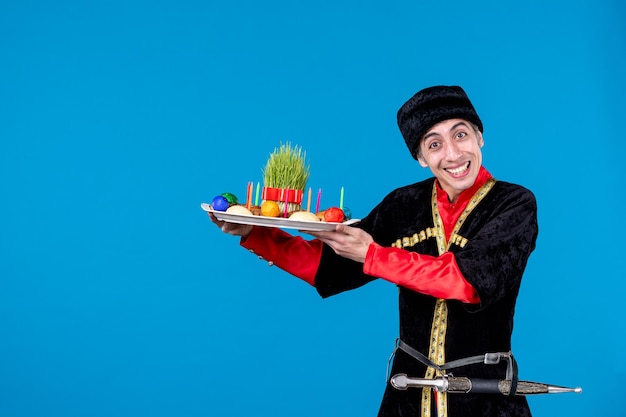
point(488, 359)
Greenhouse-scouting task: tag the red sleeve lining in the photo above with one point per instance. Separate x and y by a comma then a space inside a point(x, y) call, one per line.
point(292, 254)
point(438, 276)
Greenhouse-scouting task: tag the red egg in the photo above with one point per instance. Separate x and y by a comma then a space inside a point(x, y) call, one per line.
point(334, 215)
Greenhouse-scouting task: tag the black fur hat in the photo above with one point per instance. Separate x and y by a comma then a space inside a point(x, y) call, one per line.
point(431, 106)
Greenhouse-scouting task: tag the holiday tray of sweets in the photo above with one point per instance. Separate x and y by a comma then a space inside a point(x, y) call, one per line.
point(285, 176)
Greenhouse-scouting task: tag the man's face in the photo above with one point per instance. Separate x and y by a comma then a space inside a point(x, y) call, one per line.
point(451, 149)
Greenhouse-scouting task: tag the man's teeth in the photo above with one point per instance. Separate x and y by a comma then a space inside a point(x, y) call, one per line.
point(458, 170)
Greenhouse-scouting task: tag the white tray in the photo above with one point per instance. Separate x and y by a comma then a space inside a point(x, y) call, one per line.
point(280, 222)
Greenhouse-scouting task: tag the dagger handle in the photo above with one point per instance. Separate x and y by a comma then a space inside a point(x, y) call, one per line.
point(462, 385)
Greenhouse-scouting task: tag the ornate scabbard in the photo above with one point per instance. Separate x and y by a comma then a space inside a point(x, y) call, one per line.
point(464, 385)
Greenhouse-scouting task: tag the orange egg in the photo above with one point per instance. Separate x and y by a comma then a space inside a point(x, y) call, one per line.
point(270, 208)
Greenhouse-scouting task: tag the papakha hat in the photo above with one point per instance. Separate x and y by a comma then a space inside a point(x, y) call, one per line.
point(431, 106)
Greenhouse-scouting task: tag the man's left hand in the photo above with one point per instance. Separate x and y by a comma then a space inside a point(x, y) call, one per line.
point(346, 241)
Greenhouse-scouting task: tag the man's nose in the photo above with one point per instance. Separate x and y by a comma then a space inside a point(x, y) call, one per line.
point(452, 150)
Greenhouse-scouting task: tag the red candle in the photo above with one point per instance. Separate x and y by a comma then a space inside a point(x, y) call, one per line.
point(249, 196)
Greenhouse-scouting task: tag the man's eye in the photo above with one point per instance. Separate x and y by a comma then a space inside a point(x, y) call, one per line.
point(461, 135)
point(433, 145)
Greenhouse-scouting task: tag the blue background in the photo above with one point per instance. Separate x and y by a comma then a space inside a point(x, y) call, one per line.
point(118, 118)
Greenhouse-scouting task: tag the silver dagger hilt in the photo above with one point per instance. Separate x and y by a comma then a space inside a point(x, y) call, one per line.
point(403, 382)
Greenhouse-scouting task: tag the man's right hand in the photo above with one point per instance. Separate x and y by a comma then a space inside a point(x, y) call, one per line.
point(234, 229)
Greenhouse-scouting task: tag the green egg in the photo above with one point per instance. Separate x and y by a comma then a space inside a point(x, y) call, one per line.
point(231, 198)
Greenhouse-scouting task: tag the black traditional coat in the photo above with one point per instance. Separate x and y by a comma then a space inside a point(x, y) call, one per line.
point(491, 243)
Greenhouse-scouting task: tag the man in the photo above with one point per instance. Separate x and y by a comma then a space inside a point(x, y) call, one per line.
point(456, 245)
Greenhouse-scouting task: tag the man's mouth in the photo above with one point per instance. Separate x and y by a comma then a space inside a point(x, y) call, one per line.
point(460, 170)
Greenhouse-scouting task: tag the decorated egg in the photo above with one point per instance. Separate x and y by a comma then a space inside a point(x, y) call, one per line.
point(270, 208)
point(220, 203)
point(347, 213)
point(304, 216)
point(232, 199)
point(334, 215)
point(239, 210)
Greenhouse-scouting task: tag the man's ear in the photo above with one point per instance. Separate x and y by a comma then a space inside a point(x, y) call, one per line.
point(422, 161)
point(481, 141)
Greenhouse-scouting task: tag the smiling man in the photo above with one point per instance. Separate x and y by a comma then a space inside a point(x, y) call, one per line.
point(451, 149)
point(456, 245)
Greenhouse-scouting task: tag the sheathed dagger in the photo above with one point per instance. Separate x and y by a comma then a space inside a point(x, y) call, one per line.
point(464, 385)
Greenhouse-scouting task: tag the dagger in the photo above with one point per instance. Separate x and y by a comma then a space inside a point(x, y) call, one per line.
point(464, 385)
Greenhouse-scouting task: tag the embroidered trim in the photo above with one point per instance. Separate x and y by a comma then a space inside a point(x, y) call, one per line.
point(427, 233)
point(436, 350)
point(415, 239)
point(476, 198)
point(436, 353)
point(458, 240)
